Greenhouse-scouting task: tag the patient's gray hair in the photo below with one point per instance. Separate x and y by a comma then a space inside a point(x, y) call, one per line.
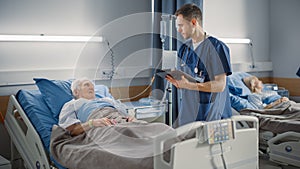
point(76, 83)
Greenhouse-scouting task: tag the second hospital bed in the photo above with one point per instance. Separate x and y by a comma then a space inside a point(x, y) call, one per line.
point(279, 136)
point(29, 122)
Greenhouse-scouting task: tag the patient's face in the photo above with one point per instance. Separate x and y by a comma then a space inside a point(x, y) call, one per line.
point(257, 84)
point(87, 90)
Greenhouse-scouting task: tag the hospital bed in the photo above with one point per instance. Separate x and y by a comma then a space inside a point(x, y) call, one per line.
point(280, 138)
point(29, 121)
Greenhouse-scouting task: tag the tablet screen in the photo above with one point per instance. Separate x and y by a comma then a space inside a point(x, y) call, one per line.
point(176, 74)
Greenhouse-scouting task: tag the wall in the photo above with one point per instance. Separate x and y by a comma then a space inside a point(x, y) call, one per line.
point(123, 23)
point(284, 37)
point(273, 25)
point(240, 19)
point(284, 44)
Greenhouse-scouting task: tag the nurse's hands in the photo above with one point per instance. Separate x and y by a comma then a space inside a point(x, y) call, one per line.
point(183, 83)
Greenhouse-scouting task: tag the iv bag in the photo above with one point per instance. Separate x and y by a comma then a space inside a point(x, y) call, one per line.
point(163, 31)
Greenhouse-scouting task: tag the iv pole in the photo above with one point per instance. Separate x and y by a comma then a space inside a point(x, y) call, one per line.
point(163, 35)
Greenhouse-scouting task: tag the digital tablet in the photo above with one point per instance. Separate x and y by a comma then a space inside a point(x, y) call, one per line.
point(176, 74)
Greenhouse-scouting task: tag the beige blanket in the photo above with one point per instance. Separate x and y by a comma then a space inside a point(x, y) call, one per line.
point(282, 118)
point(126, 145)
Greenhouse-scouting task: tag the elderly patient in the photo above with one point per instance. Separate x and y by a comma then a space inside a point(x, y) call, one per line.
point(262, 99)
point(75, 113)
point(102, 135)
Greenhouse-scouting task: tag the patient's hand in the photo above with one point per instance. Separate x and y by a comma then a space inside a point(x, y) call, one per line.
point(278, 101)
point(284, 99)
point(130, 119)
point(102, 122)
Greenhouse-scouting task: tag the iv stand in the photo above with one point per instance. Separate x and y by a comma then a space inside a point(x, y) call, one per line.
point(163, 33)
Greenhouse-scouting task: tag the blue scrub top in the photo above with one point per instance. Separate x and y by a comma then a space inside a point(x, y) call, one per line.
point(209, 59)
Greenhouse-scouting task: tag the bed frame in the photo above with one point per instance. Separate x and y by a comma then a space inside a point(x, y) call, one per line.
point(285, 148)
point(24, 137)
point(240, 152)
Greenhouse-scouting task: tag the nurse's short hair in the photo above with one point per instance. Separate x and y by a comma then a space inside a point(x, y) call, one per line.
point(77, 82)
point(190, 11)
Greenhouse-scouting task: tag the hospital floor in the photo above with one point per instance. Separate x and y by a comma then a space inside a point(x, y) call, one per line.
point(266, 164)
